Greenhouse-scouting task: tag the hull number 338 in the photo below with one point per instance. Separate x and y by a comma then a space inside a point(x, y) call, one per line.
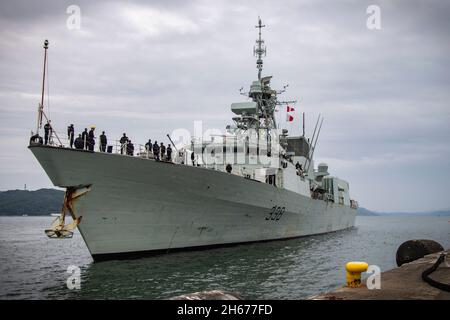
point(275, 213)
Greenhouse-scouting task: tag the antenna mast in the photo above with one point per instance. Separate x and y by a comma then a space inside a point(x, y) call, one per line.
point(259, 49)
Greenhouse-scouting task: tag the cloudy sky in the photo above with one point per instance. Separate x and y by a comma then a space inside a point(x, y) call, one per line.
point(149, 67)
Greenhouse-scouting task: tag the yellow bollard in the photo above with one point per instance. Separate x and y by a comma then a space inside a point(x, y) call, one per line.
point(354, 270)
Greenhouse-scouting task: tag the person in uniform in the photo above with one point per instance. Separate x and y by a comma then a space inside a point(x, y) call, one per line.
point(193, 158)
point(91, 133)
point(148, 147)
point(79, 143)
point(299, 168)
point(163, 151)
point(47, 131)
point(103, 142)
point(130, 148)
point(156, 150)
point(123, 143)
point(70, 135)
point(90, 144)
point(84, 137)
point(91, 139)
point(169, 153)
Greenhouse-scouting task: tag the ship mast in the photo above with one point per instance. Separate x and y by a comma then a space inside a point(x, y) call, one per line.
point(260, 112)
point(41, 105)
point(41, 113)
point(259, 49)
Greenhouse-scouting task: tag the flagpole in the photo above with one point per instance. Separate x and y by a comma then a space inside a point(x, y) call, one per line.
point(303, 124)
point(290, 126)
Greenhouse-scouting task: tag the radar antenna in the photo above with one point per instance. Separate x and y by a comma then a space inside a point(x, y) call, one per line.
point(259, 49)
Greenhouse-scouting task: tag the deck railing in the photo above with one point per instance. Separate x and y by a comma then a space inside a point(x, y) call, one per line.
point(113, 146)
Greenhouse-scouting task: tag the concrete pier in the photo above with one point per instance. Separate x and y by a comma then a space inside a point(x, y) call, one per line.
point(403, 283)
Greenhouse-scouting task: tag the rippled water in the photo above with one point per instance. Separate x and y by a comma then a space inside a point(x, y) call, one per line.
point(35, 267)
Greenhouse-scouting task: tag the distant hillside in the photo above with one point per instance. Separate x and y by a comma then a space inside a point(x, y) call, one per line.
point(437, 213)
point(32, 203)
point(364, 212)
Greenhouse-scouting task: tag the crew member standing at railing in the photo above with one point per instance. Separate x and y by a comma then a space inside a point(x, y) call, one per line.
point(91, 139)
point(90, 144)
point(163, 151)
point(47, 131)
point(79, 144)
point(130, 148)
point(156, 150)
point(84, 137)
point(103, 142)
point(123, 143)
point(169, 153)
point(148, 147)
point(70, 134)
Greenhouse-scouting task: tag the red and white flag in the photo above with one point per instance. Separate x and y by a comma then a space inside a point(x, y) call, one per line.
point(289, 117)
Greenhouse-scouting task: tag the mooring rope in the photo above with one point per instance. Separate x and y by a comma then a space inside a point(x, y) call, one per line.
point(434, 283)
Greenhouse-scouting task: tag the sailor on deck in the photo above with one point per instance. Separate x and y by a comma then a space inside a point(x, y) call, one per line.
point(71, 134)
point(299, 168)
point(169, 153)
point(130, 148)
point(47, 131)
point(156, 150)
point(91, 139)
point(163, 151)
point(79, 143)
point(84, 137)
point(103, 142)
point(123, 143)
point(148, 147)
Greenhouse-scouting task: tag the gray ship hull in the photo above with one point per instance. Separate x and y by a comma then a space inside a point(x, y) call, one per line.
point(138, 206)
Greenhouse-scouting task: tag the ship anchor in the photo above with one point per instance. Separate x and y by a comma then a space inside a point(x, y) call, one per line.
point(58, 228)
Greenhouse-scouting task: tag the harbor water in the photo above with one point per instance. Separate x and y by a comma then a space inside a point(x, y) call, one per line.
point(35, 267)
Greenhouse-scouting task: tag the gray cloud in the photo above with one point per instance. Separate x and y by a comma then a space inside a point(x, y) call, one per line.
point(148, 67)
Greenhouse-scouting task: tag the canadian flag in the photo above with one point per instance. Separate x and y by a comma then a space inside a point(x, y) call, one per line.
point(289, 118)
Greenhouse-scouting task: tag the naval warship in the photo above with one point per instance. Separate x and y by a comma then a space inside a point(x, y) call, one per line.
point(253, 183)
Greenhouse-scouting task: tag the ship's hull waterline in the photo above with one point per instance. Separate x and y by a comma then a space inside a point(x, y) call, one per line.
point(140, 206)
